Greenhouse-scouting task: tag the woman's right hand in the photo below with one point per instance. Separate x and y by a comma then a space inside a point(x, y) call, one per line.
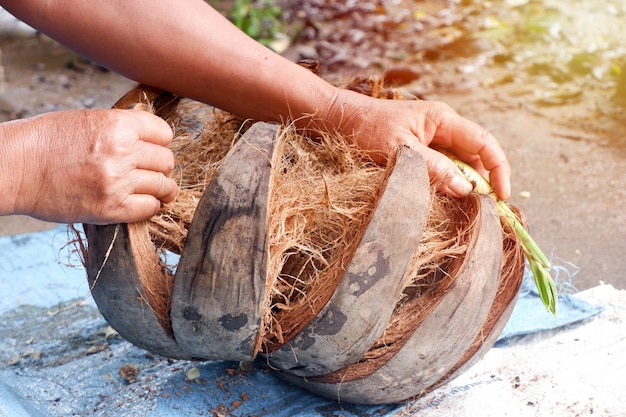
point(89, 166)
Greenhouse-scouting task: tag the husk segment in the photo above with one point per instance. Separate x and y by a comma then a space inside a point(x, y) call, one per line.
point(323, 194)
point(450, 230)
point(202, 138)
point(511, 275)
point(362, 303)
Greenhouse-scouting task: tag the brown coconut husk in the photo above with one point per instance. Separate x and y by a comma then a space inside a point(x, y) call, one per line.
point(324, 192)
point(450, 230)
point(511, 275)
point(198, 156)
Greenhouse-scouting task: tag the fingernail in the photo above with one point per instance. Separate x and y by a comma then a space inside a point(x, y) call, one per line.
point(460, 185)
point(507, 193)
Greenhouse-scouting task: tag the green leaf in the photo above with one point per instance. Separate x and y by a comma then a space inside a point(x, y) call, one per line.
point(539, 263)
point(545, 286)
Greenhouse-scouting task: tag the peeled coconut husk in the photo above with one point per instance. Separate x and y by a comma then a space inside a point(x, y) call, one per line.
point(324, 193)
point(278, 236)
point(511, 276)
point(362, 303)
point(433, 348)
point(116, 286)
point(219, 289)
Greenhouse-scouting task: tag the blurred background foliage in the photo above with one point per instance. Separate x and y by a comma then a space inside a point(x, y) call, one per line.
point(549, 52)
point(259, 19)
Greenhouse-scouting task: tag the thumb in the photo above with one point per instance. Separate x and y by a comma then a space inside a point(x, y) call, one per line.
point(445, 176)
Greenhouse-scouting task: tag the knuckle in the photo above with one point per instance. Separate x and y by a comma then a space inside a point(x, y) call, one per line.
point(441, 108)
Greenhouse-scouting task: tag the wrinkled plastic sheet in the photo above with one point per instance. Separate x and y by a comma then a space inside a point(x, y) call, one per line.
point(58, 357)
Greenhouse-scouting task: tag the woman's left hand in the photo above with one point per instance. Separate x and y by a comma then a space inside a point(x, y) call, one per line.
point(381, 126)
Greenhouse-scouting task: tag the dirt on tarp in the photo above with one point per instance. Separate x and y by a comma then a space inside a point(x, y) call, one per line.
point(544, 77)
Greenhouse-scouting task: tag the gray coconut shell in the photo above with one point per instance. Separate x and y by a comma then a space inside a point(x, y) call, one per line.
point(219, 286)
point(118, 292)
point(442, 338)
point(359, 310)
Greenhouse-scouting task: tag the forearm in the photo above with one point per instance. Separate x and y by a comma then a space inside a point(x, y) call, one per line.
point(205, 58)
point(188, 48)
point(15, 138)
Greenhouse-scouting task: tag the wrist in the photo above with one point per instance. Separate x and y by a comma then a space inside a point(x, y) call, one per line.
point(335, 113)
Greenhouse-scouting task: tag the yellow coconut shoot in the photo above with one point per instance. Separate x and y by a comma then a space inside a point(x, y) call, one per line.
point(539, 264)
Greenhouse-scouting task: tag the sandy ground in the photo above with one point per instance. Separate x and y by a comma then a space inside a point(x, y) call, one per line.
point(576, 188)
point(574, 183)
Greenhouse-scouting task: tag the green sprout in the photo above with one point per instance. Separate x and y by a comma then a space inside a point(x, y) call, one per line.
point(538, 262)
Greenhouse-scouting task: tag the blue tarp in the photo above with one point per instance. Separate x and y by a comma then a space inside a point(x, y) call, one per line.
point(58, 357)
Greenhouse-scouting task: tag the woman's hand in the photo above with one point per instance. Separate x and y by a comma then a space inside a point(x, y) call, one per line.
point(383, 125)
point(91, 166)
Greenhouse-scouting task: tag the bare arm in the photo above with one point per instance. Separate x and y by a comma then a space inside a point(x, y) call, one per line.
point(184, 46)
point(187, 47)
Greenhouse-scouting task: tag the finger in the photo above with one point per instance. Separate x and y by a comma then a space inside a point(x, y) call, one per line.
point(154, 158)
point(155, 184)
point(444, 174)
point(462, 136)
point(499, 177)
point(478, 141)
point(136, 207)
point(151, 128)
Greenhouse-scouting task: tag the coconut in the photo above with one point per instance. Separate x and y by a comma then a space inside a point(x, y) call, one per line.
point(356, 281)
